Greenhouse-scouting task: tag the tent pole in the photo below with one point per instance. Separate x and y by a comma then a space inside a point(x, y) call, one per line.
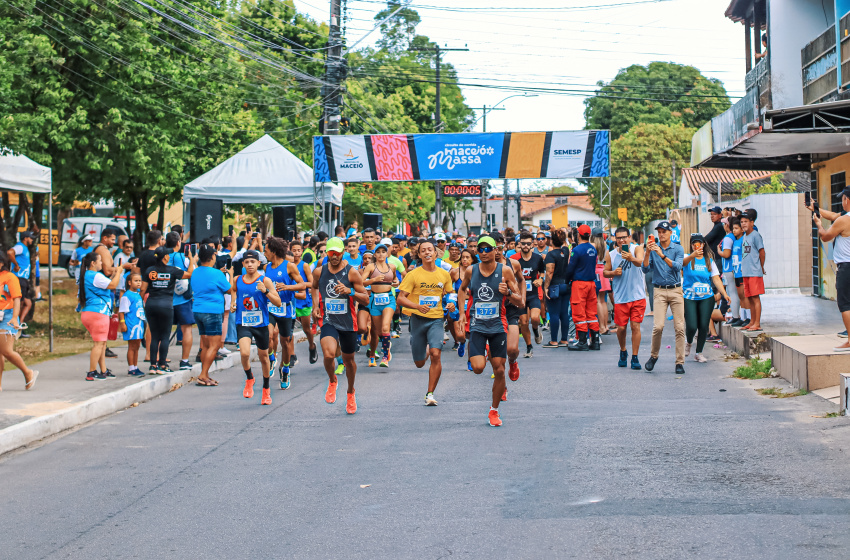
point(50, 268)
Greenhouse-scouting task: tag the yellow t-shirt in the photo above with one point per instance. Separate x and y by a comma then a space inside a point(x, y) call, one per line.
point(427, 288)
point(403, 252)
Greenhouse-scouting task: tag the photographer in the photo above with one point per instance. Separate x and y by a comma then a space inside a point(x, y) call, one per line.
point(840, 232)
point(623, 268)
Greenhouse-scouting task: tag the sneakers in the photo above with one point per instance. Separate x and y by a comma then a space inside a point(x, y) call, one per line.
point(272, 360)
point(224, 351)
point(372, 362)
point(700, 358)
point(624, 356)
point(842, 334)
point(314, 354)
point(529, 352)
point(469, 365)
point(154, 370)
point(249, 389)
point(395, 334)
point(350, 403)
point(635, 362)
point(164, 370)
point(385, 361)
point(430, 400)
point(267, 397)
point(456, 345)
point(330, 394)
point(136, 373)
point(680, 369)
point(495, 421)
point(688, 349)
point(284, 378)
point(340, 369)
point(108, 374)
point(650, 364)
point(293, 360)
point(513, 372)
point(94, 376)
point(461, 349)
point(505, 395)
point(108, 353)
point(185, 364)
point(538, 338)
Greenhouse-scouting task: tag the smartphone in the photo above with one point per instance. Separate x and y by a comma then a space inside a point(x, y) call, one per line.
point(808, 199)
point(248, 227)
point(230, 230)
point(195, 249)
point(697, 246)
point(652, 239)
point(817, 210)
point(187, 249)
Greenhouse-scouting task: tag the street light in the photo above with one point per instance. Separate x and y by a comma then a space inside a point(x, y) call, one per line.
point(492, 107)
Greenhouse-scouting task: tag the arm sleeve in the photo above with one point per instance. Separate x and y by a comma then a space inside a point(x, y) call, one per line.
point(677, 262)
point(101, 281)
point(124, 305)
point(727, 243)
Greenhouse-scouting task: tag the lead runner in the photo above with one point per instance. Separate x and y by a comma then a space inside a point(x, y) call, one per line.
point(490, 284)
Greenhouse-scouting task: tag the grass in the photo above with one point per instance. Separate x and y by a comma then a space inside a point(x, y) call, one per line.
point(830, 415)
point(777, 393)
point(754, 369)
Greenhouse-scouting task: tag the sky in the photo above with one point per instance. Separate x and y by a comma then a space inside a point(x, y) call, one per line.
point(561, 44)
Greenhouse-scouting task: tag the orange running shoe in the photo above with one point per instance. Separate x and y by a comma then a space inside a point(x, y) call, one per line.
point(267, 397)
point(249, 389)
point(505, 395)
point(351, 403)
point(514, 371)
point(330, 396)
point(495, 421)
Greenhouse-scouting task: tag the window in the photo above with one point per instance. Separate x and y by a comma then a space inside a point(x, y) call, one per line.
point(546, 223)
point(837, 184)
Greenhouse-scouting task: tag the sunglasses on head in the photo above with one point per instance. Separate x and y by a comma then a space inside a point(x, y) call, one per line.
point(486, 249)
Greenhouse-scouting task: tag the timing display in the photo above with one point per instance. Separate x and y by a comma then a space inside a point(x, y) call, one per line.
point(460, 191)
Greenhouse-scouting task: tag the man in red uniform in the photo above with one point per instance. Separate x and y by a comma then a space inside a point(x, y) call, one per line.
point(582, 272)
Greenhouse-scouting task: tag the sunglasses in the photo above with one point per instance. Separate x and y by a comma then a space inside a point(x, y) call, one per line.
point(500, 247)
point(526, 243)
point(486, 249)
point(541, 239)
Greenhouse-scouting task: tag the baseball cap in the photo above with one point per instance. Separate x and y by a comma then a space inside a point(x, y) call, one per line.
point(400, 237)
point(335, 244)
point(845, 192)
point(381, 245)
point(716, 210)
point(87, 238)
point(386, 242)
point(664, 225)
point(724, 221)
point(29, 234)
point(584, 229)
point(487, 240)
point(251, 255)
point(596, 231)
point(440, 237)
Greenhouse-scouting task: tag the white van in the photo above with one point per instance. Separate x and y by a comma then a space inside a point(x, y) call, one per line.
point(73, 229)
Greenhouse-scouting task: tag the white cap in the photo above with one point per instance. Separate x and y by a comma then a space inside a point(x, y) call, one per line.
point(387, 241)
point(87, 238)
point(440, 236)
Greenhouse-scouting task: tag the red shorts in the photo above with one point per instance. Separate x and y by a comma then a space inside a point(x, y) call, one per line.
point(97, 324)
point(753, 286)
point(632, 311)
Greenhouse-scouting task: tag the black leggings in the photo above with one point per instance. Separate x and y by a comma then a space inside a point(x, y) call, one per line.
point(697, 316)
point(160, 319)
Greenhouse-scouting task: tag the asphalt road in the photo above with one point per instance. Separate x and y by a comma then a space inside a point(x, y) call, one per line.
point(593, 461)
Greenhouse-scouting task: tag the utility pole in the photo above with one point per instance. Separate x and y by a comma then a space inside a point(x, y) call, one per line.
point(485, 183)
point(438, 127)
point(675, 194)
point(335, 72)
point(518, 206)
point(505, 206)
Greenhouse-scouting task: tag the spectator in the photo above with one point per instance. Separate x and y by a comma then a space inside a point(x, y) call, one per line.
point(664, 259)
point(726, 250)
point(717, 233)
point(339, 231)
point(182, 298)
point(10, 323)
point(581, 274)
point(122, 258)
point(557, 291)
point(84, 247)
point(96, 300)
point(840, 232)
point(752, 268)
point(623, 267)
point(131, 314)
point(603, 286)
point(210, 287)
point(19, 259)
point(699, 273)
point(352, 229)
point(763, 53)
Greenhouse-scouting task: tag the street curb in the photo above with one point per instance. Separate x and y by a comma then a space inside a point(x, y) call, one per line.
point(34, 429)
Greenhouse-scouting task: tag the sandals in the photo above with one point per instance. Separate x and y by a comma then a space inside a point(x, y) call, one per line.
point(207, 383)
point(31, 383)
point(550, 345)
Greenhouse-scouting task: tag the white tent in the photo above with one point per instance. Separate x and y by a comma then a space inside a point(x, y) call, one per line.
point(21, 174)
point(263, 173)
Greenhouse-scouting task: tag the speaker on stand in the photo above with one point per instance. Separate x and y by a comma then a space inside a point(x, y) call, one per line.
point(283, 221)
point(374, 221)
point(205, 218)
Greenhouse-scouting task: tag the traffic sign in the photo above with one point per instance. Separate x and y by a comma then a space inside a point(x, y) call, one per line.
point(623, 214)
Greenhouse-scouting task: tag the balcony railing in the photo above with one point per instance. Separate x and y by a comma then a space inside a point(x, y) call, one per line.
point(820, 68)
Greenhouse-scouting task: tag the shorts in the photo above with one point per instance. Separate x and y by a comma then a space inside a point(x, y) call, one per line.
point(209, 324)
point(632, 311)
point(753, 286)
point(183, 314)
point(25, 287)
point(532, 303)
point(376, 310)
point(425, 333)
point(842, 286)
point(303, 312)
point(498, 344)
point(5, 327)
point(513, 313)
point(739, 282)
point(347, 339)
point(284, 325)
point(259, 334)
point(96, 323)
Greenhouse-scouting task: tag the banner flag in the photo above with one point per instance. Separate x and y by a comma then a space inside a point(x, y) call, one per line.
point(462, 156)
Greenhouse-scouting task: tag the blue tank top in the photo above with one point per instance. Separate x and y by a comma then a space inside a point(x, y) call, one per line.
point(22, 260)
point(98, 300)
point(281, 274)
point(486, 311)
point(631, 285)
point(737, 256)
point(696, 281)
point(727, 263)
point(252, 306)
point(302, 303)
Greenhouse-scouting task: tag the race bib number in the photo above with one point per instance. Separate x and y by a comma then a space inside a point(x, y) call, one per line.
point(336, 306)
point(140, 314)
point(277, 311)
point(486, 310)
point(429, 301)
point(528, 287)
point(382, 299)
point(701, 289)
point(251, 318)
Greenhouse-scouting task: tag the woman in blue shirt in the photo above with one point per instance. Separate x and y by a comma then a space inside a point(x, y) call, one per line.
point(699, 272)
point(96, 301)
point(209, 285)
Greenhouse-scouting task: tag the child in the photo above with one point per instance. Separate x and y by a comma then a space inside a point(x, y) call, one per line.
point(131, 313)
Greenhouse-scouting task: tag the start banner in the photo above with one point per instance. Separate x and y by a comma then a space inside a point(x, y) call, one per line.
point(461, 156)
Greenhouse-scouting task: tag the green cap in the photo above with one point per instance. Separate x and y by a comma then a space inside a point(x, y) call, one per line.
point(335, 244)
point(487, 240)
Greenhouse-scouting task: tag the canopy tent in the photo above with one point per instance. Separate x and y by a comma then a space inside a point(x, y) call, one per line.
point(21, 174)
point(263, 173)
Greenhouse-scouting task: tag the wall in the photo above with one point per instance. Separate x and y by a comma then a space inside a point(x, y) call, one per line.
point(825, 171)
point(560, 216)
point(793, 24)
point(686, 198)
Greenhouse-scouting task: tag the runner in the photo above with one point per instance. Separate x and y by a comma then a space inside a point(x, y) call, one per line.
point(623, 267)
point(304, 307)
point(512, 312)
point(467, 259)
point(380, 277)
point(340, 286)
point(421, 293)
point(532, 267)
point(489, 284)
point(252, 292)
point(288, 281)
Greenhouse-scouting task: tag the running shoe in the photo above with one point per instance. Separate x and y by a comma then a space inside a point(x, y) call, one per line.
point(164, 370)
point(267, 396)
point(461, 349)
point(136, 373)
point(842, 334)
point(513, 372)
point(469, 365)
point(430, 400)
point(688, 349)
point(330, 394)
point(455, 346)
point(505, 395)
point(635, 363)
point(529, 352)
point(385, 362)
point(395, 334)
point(284, 378)
point(623, 357)
point(94, 376)
point(700, 358)
point(538, 338)
point(108, 374)
point(293, 360)
point(314, 354)
point(373, 362)
point(272, 360)
point(154, 370)
point(224, 351)
point(108, 353)
point(185, 364)
point(495, 421)
point(350, 403)
point(340, 369)
point(249, 389)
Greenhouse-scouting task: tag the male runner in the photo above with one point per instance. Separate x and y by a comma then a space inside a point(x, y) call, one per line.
point(287, 281)
point(252, 293)
point(421, 294)
point(339, 286)
point(512, 312)
point(369, 241)
point(304, 307)
point(490, 284)
point(533, 268)
point(352, 253)
point(623, 267)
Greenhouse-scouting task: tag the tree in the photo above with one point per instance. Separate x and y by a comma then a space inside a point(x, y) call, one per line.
point(641, 162)
point(659, 93)
point(398, 31)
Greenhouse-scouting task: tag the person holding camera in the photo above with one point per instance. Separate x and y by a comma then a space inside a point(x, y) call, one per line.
point(840, 232)
point(664, 259)
point(698, 274)
point(623, 267)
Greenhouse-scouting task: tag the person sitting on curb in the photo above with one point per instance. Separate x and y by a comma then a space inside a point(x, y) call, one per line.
point(840, 232)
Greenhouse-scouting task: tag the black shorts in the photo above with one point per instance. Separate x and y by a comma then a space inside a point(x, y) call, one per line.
point(25, 288)
point(739, 282)
point(532, 303)
point(513, 313)
point(498, 344)
point(842, 287)
point(347, 339)
point(284, 325)
point(259, 334)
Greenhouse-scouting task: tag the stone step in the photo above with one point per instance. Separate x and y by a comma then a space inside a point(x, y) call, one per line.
point(809, 362)
point(744, 343)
